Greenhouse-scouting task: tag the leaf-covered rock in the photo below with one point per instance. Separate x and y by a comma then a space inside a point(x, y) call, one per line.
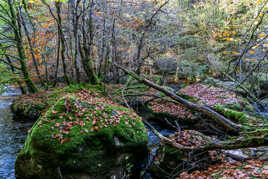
point(82, 134)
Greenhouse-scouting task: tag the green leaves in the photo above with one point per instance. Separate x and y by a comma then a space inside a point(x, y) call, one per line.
point(6, 76)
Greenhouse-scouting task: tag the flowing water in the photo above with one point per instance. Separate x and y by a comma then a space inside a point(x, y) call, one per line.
point(12, 135)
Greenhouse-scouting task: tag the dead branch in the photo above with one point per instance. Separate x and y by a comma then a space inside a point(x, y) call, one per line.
point(242, 142)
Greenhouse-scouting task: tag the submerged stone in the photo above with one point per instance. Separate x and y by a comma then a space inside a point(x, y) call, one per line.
point(81, 136)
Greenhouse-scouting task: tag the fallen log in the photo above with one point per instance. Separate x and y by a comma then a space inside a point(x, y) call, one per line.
point(241, 142)
point(228, 124)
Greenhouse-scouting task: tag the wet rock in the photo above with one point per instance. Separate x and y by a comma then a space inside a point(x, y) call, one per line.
point(236, 154)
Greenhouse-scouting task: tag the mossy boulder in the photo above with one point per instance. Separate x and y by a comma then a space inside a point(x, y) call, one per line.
point(27, 110)
point(82, 135)
point(31, 106)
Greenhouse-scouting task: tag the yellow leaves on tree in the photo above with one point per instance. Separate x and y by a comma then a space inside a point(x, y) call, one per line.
point(98, 13)
point(230, 39)
point(235, 53)
point(261, 36)
point(258, 2)
point(227, 35)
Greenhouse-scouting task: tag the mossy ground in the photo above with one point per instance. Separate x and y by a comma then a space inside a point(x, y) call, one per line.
point(84, 132)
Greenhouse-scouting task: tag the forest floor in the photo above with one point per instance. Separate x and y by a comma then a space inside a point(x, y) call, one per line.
point(230, 168)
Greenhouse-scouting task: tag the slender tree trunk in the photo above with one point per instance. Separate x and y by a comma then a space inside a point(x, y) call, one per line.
point(85, 46)
point(114, 50)
point(46, 67)
point(62, 41)
point(31, 49)
point(76, 38)
point(19, 45)
point(58, 59)
point(103, 45)
point(139, 59)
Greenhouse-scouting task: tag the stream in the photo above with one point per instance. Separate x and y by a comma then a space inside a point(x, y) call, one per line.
point(12, 135)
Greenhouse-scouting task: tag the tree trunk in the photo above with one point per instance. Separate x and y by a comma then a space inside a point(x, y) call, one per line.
point(31, 49)
point(76, 38)
point(16, 25)
point(85, 46)
point(60, 30)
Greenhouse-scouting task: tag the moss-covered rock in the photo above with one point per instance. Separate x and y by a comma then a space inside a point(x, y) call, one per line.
point(82, 134)
point(31, 106)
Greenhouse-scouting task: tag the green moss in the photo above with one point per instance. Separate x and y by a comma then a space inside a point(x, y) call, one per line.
point(187, 97)
point(173, 154)
point(241, 117)
point(83, 151)
point(78, 87)
point(33, 105)
point(249, 108)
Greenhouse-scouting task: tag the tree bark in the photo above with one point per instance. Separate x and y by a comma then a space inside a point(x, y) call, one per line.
point(62, 41)
point(75, 20)
point(85, 47)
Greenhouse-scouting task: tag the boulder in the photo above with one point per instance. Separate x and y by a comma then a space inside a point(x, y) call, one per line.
point(166, 65)
point(229, 85)
point(82, 136)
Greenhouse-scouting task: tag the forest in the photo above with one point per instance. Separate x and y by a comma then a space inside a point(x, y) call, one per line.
point(133, 89)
